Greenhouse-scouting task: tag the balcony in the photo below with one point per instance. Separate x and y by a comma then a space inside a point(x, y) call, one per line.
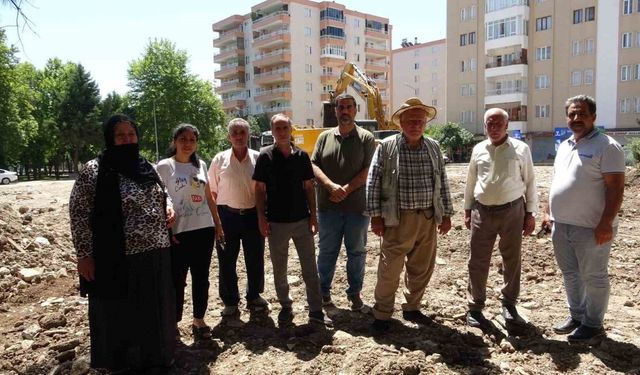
point(376, 33)
point(333, 40)
point(229, 70)
point(375, 67)
point(223, 55)
point(495, 96)
point(376, 50)
point(272, 39)
point(507, 12)
point(228, 37)
point(512, 69)
point(272, 58)
point(274, 76)
point(325, 97)
point(276, 18)
point(508, 41)
point(329, 78)
point(230, 86)
point(332, 60)
point(231, 104)
point(282, 93)
point(227, 23)
point(381, 83)
point(332, 21)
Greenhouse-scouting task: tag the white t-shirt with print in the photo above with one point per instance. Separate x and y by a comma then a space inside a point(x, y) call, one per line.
point(186, 186)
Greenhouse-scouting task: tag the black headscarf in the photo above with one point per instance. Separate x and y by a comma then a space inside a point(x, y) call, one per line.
point(107, 223)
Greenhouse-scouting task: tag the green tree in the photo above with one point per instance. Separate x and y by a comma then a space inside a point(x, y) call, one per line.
point(453, 139)
point(8, 116)
point(164, 94)
point(79, 116)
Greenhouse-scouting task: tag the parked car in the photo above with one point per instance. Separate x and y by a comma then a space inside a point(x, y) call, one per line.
point(7, 176)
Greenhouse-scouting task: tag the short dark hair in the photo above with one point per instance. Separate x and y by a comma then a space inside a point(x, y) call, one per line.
point(586, 99)
point(344, 96)
point(181, 128)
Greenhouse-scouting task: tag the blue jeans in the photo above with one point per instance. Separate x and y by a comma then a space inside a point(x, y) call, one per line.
point(584, 269)
point(333, 227)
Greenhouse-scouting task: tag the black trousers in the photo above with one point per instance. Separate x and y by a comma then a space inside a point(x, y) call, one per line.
point(240, 228)
point(192, 253)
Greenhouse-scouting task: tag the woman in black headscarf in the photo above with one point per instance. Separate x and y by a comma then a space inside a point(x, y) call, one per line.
point(119, 217)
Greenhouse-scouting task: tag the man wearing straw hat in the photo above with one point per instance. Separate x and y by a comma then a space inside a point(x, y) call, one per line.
point(408, 201)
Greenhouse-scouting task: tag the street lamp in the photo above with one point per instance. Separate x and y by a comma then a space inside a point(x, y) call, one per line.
point(155, 127)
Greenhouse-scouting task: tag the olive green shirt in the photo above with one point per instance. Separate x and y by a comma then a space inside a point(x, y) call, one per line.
point(341, 159)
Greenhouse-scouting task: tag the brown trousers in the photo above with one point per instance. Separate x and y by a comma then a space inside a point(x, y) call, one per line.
point(486, 225)
point(411, 244)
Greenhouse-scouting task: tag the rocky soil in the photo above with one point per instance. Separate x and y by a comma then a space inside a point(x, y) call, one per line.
point(43, 321)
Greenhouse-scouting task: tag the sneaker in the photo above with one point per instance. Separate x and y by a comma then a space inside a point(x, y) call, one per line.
point(230, 311)
point(258, 304)
point(416, 316)
point(567, 326)
point(585, 334)
point(326, 301)
point(319, 317)
point(379, 326)
point(285, 315)
point(511, 316)
point(356, 302)
point(476, 319)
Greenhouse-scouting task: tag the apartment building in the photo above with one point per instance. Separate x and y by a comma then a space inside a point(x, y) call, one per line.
point(286, 55)
point(529, 56)
point(419, 69)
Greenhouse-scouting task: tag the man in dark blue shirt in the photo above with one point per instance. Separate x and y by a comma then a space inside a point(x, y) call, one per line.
point(285, 200)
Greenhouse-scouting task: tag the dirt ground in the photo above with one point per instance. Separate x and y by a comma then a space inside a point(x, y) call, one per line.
point(43, 324)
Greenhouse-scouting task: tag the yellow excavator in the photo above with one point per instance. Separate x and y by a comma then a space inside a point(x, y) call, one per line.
point(351, 75)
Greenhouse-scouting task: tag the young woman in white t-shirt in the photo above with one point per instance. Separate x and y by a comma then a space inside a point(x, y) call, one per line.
point(194, 232)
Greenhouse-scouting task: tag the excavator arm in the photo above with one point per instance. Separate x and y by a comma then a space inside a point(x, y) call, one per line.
point(365, 87)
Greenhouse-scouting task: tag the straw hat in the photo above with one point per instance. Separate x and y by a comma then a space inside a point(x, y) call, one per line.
point(413, 103)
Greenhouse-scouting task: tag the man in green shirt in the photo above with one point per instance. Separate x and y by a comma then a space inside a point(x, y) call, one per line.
point(341, 161)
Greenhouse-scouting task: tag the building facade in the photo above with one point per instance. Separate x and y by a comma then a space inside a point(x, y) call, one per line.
point(286, 55)
point(529, 56)
point(419, 69)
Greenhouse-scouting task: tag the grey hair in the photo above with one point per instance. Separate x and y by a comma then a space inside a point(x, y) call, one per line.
point(238, 123)
point(282, 116)
point(586, 99)
point(499, 110)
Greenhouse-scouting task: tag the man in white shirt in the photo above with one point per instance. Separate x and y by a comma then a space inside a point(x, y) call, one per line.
point(231, 185)
point(500, 199)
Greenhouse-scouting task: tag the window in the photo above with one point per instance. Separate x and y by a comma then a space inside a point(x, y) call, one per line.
point(576, 78)
point(626, 40)
point(472, 37)
point(637, 105)
point(434, 76)
point(472, 12)
point(576, 47)
point(434, 102)
point(356, 22)
point(416, 66)
point(434, 49)
point(626, 6)
point(638, 38)
point(246, 60)
point(589, 14)
point(472, 89)
point(543, 53)
point(543, 111)
point(624, 105)
point(434, 62)
point(588, 77)
point(542, 81)
point(462, 65)
point(467, 117)
point(308, 68)
point(309, 104)
point(463, 14)
point(464, 90)
point(308, 86)
point(309, 122)
point(589, 46)
point(308, 50)
point(577, 16)
point(356, 56)
point(543, 23)
point(357, 40)
point(463, 39)
point(625, 72)
point(506, 27)
point(307, 31)
point(472, 64)
point(307, 12)
point(247, 77)
point(416, 78)
point(636, 72)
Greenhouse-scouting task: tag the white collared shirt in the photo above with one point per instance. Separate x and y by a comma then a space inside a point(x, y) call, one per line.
point(230, 179)
point(501, 174)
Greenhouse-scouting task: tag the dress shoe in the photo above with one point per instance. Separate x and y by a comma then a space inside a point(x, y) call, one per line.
point(416, 316)
point(567, 326)
point(356, 302)
point(476, 319)
point(585, 334)
point(511, 316)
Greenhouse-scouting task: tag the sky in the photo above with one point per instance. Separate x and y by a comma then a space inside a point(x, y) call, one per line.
point(105, 36)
